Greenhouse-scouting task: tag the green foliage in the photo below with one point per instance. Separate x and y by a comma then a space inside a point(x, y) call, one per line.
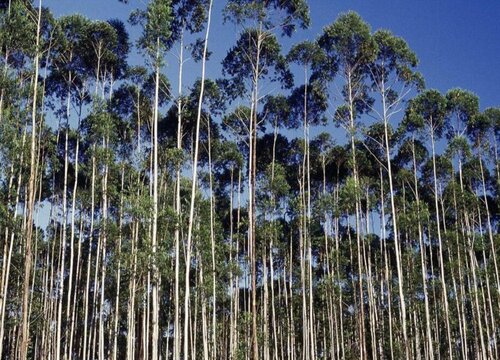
point(394, 55)
point(306, 53)
point(18, 30)
point(251, 50)
point(316, 104)
point(348, 40)
point(156, 32)
point(287, 14)
point(189, 14)
point(479, 127)
point(427, 109)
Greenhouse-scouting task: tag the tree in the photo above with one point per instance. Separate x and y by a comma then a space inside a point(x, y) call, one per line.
point(393, 66)
point(154, 42)
point(256, 52)
point(427, 111)
point(31, 192)
point(312, 106)
point(350, 46)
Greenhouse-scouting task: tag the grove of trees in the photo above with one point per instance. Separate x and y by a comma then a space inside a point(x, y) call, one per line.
point(309, 202)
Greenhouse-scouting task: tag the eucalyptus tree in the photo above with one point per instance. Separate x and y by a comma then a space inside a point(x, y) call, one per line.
point(214, 105)
point(18, 26)
point(371, 159)
point(462, 108)
point(349, 46)
point(133, 102)
point(413, 154)
point(31, 190)
point(132, 107)
point(323, 159)
point(193, 191)
point(104, 54)
point(155, 41)
point(256, 53)
point(393, 77)
point(427, 112)
point(271, 166)
point(311, 101)
point(227, 173)
point(67, 82)
point(191, 16)
point(20, 41)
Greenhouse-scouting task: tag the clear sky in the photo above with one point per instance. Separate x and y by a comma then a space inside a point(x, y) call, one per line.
point(457, 41)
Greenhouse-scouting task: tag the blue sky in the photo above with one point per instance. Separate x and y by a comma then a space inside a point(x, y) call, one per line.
point(457, 41)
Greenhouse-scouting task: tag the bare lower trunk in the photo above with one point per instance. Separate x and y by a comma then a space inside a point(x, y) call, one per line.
point(25, 336)
point(193, 188)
